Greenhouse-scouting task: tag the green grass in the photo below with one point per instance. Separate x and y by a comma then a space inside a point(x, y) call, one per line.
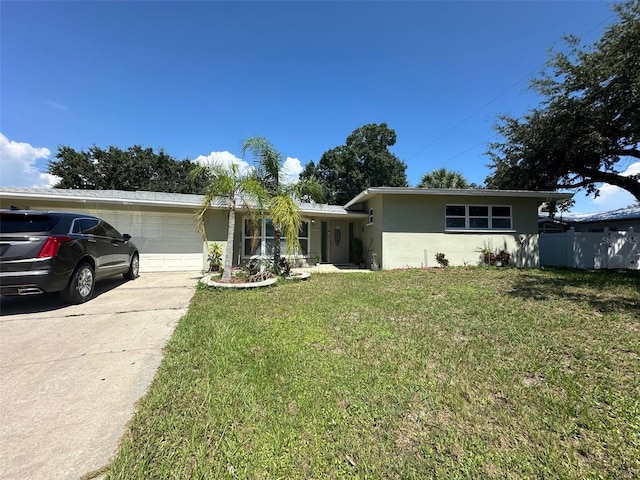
point(457, 373)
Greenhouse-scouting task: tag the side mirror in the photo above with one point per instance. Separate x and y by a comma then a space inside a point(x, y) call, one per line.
point(126, 237)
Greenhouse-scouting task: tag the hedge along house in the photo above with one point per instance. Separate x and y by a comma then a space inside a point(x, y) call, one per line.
point(404, 227)
point(164, 229)
point(407, 227)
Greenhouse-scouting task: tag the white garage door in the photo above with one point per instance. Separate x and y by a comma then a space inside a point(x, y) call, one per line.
point(166, 241)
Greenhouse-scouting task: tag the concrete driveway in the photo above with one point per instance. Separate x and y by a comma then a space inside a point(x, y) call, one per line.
point(70, 375)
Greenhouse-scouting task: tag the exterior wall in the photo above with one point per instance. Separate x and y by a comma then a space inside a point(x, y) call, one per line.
point(418, 250)
point(215, 229)
point(426, 214)
point(372, 232)
point(315, 241)
point(414, 231)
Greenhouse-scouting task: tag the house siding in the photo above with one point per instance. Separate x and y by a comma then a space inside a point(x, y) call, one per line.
point(413, 231)
point(372, 232)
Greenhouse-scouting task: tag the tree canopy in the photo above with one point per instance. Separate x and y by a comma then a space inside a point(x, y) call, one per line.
point(363, 161)
point(135, 168)
point(587, 128)
point(443, 178)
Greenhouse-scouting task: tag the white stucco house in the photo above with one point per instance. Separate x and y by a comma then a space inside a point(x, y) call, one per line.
point(404, 227)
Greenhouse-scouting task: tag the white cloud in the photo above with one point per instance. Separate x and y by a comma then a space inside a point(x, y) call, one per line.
point(610, 198)
point(289, 173)
point(226, 159)
point(291, 170)
point(18, 165)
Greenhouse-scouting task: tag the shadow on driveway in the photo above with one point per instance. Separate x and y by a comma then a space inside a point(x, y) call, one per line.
point(46, 302)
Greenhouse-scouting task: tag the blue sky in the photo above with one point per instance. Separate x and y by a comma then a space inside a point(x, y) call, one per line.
point(196, 78)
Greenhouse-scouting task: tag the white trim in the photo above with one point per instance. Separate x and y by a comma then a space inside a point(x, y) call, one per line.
point(467, 217)
point(481, 192)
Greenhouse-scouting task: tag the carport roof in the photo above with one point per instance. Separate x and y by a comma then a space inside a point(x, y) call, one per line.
point(121, 197)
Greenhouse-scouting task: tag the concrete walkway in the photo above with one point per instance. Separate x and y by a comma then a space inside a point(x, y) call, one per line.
point(70, 375)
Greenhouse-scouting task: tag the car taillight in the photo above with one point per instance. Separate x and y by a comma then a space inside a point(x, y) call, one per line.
point(52, 245)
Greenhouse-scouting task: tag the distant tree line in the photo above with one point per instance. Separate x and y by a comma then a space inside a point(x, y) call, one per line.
point(135, 168)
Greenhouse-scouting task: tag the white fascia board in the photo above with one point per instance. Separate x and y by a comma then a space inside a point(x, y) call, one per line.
point(541, 195)
point(102, 200)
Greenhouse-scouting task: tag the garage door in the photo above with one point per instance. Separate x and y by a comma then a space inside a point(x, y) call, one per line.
point(167, 241)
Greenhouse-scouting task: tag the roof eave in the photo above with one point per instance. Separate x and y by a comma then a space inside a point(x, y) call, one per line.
point(542, 195)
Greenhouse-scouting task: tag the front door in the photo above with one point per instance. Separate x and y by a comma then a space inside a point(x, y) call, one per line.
point(338, 238)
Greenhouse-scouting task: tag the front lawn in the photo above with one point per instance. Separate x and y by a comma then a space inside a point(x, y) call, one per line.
point(457, 373)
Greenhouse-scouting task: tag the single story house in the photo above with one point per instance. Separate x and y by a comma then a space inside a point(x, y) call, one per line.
point(404, 227)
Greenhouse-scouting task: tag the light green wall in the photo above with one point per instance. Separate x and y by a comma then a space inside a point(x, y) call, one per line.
point(426, 213)
point(372, 235)
point(409, 230)
point(418, 250)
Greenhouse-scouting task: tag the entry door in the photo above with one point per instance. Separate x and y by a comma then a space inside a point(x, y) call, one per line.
point(339, 241)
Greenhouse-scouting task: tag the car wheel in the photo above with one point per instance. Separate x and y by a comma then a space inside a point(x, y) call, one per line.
point(134, 268)
point(81, 285)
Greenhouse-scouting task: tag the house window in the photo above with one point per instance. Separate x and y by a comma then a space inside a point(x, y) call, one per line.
point(478, 217)
point(261, 245)
point(370, 215)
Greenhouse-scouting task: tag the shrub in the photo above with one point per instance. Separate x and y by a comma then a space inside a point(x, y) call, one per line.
point(441, 259)
point(492, 259)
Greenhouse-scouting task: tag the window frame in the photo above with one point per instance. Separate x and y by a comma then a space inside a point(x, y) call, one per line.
point(469, 218)
point(265, 240)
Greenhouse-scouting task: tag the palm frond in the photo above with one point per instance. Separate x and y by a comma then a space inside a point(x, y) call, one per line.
point(286, 215)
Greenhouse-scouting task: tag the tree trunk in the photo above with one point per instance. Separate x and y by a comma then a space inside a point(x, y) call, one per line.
point(231, 231)
point(277, 235)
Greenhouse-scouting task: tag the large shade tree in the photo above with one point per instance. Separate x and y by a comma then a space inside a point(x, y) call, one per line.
point(283, 197)
point(113, 168)
point(235, 187)
point(587, 129)
point(443, 178)
point(363, 161)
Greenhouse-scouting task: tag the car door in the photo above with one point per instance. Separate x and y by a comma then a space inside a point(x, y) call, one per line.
point(105, 245)
point(116, 259)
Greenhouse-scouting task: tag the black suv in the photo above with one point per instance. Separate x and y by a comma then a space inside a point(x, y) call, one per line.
point(61, 252)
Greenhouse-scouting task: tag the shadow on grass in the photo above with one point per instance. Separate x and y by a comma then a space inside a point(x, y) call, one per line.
point(606, 291)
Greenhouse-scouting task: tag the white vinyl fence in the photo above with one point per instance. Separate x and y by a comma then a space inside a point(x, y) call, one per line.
point(591, 250)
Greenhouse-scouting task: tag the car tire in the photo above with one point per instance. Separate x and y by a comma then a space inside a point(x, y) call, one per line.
point(81, 286)
point(134, 268)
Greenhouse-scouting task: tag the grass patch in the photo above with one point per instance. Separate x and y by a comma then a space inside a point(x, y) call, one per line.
point(456, 373)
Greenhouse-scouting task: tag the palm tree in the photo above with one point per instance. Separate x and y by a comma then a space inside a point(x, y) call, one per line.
point(230, 183)
point(443, 178)
point(283, 204)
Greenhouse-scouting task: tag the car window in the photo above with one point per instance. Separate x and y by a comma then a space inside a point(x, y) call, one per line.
point(20, 223)
point(87, 226)
point(109, 231)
